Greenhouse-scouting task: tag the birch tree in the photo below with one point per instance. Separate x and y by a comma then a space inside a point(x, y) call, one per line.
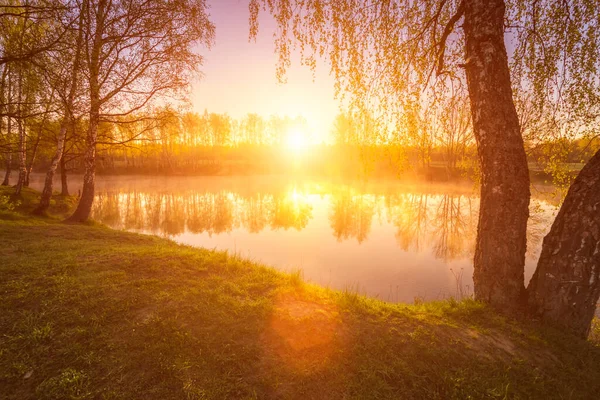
point(135, 52)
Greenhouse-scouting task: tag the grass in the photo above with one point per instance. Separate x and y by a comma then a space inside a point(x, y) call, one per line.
point(27, 201)
point(87, 312)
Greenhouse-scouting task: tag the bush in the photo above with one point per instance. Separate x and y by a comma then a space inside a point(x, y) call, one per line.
point(6, 204)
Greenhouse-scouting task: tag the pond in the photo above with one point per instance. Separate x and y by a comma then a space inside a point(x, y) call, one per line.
point(394, 241)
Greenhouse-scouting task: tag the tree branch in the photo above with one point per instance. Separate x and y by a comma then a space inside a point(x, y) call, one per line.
point(447, 31)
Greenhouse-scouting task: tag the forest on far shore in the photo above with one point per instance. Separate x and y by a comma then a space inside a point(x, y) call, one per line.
point(171, 142)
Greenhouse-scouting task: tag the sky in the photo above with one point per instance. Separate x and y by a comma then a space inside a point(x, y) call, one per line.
point(240, 78)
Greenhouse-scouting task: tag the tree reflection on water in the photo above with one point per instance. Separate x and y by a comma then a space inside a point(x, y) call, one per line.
point(445, 223)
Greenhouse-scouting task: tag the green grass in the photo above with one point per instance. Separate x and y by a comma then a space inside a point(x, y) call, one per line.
point(87, 312)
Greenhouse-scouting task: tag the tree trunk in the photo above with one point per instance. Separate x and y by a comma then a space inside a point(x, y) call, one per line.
point(504, 208)
point(84, 207)
point(22, 137)
point(565, 287)
point(8, 172)
point(6, 180)
point(22, 157)
point(32, 159)
point(38, 138)
point(49, 181)
point(9, 154)
point(63, 177)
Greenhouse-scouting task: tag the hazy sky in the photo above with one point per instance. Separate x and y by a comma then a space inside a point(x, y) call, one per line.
point(239, 76)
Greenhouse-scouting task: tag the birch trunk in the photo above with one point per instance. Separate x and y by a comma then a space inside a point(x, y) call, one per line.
point(9, 154)
point(501, 234)
point(32, 159)
point(22, 136)
point(49, 180)
point(22, 156)
point(565, 287)
point(64, 190)
point(84, 207)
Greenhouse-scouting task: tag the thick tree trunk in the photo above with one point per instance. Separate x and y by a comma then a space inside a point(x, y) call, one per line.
point(64, 190)
point(84, 207)
point(565, 287)
point(504, 210)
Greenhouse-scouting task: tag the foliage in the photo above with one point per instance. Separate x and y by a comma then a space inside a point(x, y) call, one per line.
point(6, 204)
point(595, 331)
point(555, 75)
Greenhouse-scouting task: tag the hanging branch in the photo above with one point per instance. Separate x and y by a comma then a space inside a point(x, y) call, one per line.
point(447, 31)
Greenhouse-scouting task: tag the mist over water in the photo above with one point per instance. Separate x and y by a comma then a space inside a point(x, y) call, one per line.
point(390, 240)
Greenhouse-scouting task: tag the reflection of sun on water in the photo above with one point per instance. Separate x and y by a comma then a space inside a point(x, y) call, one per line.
point(298, 198)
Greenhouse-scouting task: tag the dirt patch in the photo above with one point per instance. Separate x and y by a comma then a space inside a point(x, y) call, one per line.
point(497, 344)
point(503, 343)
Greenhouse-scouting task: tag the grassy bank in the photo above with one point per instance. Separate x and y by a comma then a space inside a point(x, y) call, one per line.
point(89, 312)
point(12, 206)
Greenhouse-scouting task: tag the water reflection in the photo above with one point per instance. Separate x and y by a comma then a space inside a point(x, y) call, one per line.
point(168, 214)
point(443, 224)
point(351, 215)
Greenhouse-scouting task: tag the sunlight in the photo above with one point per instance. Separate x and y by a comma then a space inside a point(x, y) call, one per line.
point(296, 139)
point(302, 335)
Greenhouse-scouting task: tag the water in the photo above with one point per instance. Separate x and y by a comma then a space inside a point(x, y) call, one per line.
point(386, 239)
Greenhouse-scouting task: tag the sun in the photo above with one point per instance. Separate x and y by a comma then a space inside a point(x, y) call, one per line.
point(296, 140)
